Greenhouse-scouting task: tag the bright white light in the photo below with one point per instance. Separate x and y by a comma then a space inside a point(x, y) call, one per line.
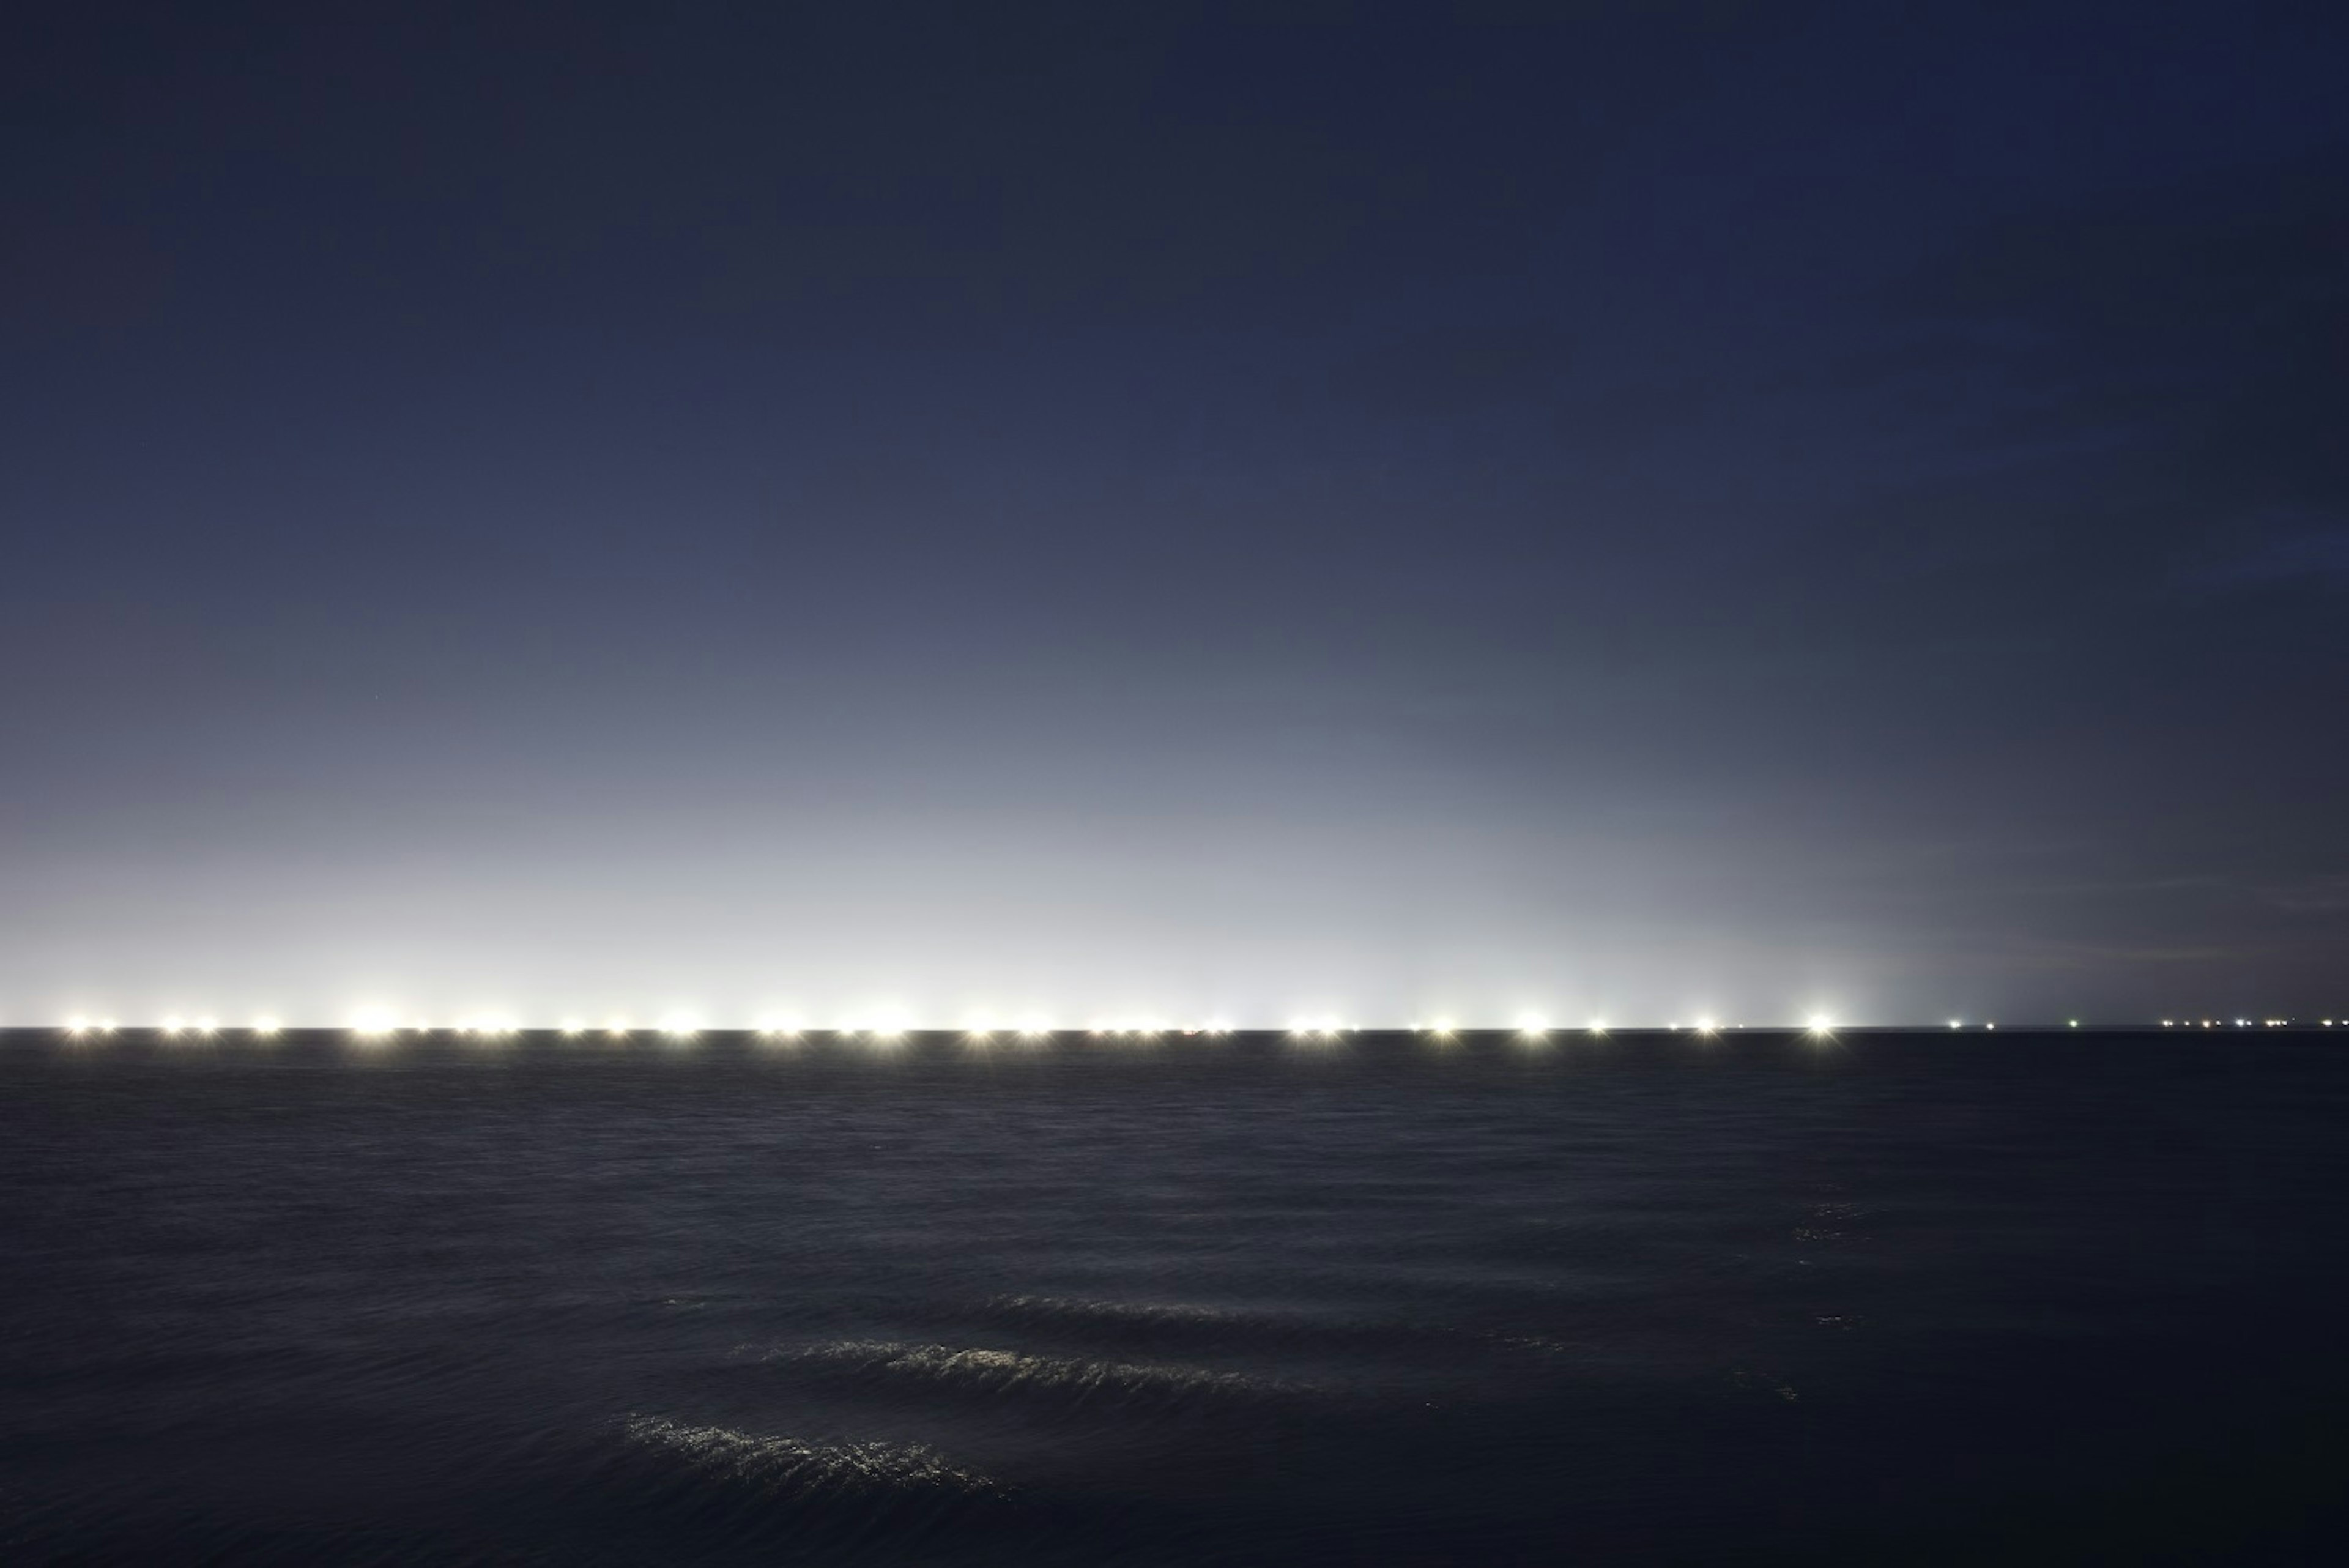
point(1957, 1023)
point(1034, 1027)
point(615, 1028)
point(1597, 1026)
point(1444, 1029)
point(2075, 1023)
point(681, 1027)
point(1532, 1026)
point(207, 1027)
point(779, 1026)
point(888, 1025)
point(1218, 1027)
point(1820, 1023)
point(1990, 1026)
point(373, 1022)
point(106, 1026)
point(1707, 1027)
point(75, 1027)
point(571, 1028)
point(172, 1026)
point(266, 1028)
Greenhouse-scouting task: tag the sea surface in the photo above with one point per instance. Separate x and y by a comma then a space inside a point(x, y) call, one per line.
point(2078, 1298)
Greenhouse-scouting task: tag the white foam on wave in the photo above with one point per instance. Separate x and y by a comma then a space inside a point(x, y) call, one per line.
point(1289, 1327)
point(774, 1465)
point(1147, 1312)
point(1015, 1372)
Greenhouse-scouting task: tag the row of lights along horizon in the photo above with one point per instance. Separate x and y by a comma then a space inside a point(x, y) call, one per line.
point(384, 1030)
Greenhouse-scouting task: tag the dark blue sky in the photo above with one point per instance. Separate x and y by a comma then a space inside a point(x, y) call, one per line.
point(1619, 509)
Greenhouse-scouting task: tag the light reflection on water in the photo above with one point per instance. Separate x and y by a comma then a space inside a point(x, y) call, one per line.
point(1198, 1299)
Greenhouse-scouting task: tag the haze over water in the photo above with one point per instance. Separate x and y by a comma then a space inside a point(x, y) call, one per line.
point(1893, 1298)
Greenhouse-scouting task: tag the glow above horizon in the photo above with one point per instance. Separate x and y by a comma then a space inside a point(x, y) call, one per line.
point(1146, 561)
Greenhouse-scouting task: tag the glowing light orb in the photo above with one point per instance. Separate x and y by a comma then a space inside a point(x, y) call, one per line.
point(174, 1027)
point(1707, 1027)
point(571, 1028)
point(615, 1028)
point(1820, 1023)
point(373, 1022)
point(885, 1025)
point(266, 1028)
point(680, 1028)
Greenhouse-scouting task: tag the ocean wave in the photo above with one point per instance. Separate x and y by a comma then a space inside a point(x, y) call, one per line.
point(1147, 1313)
point(1014, 1373)
point(788, 1468)
point(1145, 1322)
point(1144, 1325)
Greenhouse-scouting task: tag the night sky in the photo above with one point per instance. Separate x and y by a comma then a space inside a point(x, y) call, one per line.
point(1111, 511)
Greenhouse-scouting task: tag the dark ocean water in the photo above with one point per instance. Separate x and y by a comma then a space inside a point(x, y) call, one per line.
point(1899, 1299)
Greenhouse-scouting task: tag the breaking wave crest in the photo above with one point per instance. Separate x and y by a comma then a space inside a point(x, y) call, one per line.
point(721, 1487)
point(1153, 1325)
point(787, 1466)
point(1013, 1374)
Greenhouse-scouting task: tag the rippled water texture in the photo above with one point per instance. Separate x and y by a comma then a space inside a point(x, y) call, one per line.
point(1890, 1300)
